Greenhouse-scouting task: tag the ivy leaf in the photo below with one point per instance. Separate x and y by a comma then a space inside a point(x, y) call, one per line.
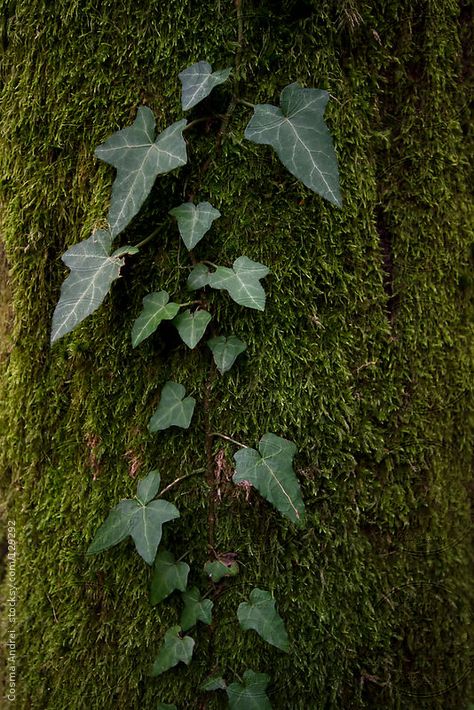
point(251, 694)
point(225, 351)
point(195, 609)
point(168, 575)
point(139, 159)
point(299, 135)
point(93, 270)
point(242, 282)
point(156, 308)
point(173, 650)
point(217, 569)
point(198, 81)
point(115, 528)
point(191, 326)
point(148, 487)
point(174, 408)
point(194, 221)
point(260, 614)
point(146, 527)
point(214, 683)
point(199, 277)
point(271, 472)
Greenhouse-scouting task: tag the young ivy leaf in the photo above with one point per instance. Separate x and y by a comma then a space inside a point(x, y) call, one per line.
point(251, 694)
point(217, 569)
point(242, 282)
point(139, 159)
point(191, 326)
point(214, 683)
point(195, 609)
point(198, 81)
point(148, 487)
point(168, 575)
point(194, 221)
point(199, 277)
point(156, 308)
point(146, 527)
point(174, 408)
point(270, 470)
point(299, 135)
point(225, 351)
point(93, 270)
point(173, 650)
point(260, 614)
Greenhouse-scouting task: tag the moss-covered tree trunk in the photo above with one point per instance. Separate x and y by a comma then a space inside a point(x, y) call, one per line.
point(363, 356)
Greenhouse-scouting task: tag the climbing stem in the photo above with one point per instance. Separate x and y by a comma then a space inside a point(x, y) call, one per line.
point(228, 438)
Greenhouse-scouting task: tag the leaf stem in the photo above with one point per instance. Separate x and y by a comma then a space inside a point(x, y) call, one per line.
point(189, 303)
point(209, 263)
point(149, 238)
point(197, 121)
point(245, 103)
point(228, 438)
point(178, 480)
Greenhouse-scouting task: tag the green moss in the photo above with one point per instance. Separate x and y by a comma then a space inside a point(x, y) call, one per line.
point(375, 590)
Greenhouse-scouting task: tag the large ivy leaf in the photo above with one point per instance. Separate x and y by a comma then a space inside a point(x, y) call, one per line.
point(174, 408)
point(173, 650)
point(299, 135)
point(199, 277)
point(168, 575)
point(191, 326)
point(225, 351)
point(194, 221)
point(115, 528)
point(156, 308)
point(139, 159)
point(93, 270)
point(196, 608)
point(148, 487)
point(146, 527)
point(260, 614)
point(271, 472)
point(251, 694)
point(242, 282)
point(198, 81)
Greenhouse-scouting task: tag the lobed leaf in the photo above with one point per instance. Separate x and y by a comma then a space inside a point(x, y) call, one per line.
point(196, 608)
point(251, 694)
point(217, 569)
point(242, 282)
point(146, 527)
point(173, 650)
point(199, 277)
point(148, 487)
point(198, 81)
point(225, 351)
point(168, 575)
point(156, 308)
point(194, 221)
point(192, 326)
point(260, 614)
point(115, 528)
point(174, 408)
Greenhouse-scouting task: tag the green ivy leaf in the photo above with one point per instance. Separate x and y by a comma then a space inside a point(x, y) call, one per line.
point(198, 81)
point(214, 683)
point(115, 528)
point(199, 277)
point(225, 351)
point(148, 487)
point(173, 650)
point(196, 608)
point(260, 614)
point(174, 408)
point(93, 270)
point(271, 472)
point(139, 159)
point(217, 569)
point(251, 694)
point(191, 326)
point(146, 527)
point(156, 308)
point(242, 282)
point(194, 221)
point(299, 135)
point(168, 575)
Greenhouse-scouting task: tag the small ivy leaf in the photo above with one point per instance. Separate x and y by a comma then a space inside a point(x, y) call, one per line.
point(168, 575)
point(260, 614)
point(166, 706)
point(198, 81)
point(194, 221)
point(174, 408)
point(156, 308)
point(148, 487)
point(115, 528)
point(139, 159)
point(251, 695)
point(225, 351)
point(271, 472)
point(242, 282)
point(199, 277)
point(195, 609)
point(146, 527)
point(216, 570)
point(93, 270)
point(191, 326)
point(299, 135)
point(173, 650)
point(214, 683)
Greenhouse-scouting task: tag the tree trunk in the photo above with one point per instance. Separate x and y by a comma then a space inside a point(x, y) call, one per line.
point(363, 356)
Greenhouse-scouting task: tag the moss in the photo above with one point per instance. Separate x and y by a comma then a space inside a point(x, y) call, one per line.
point(375, 390)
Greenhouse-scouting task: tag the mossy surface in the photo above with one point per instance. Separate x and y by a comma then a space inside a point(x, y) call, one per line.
point(363, 356)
